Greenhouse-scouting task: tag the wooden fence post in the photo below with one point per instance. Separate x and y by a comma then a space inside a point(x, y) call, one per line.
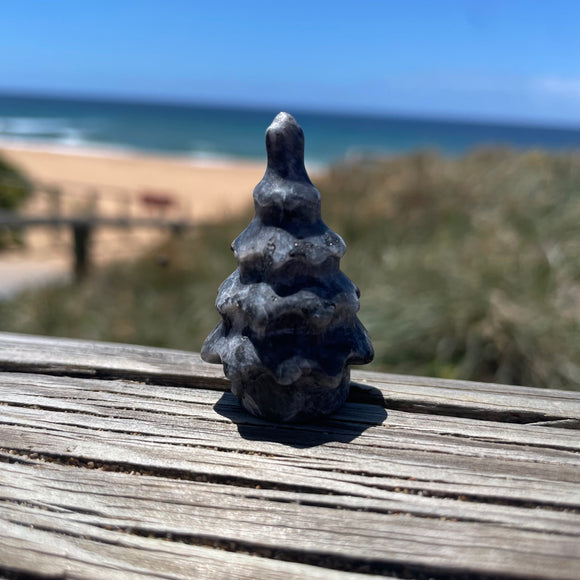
point(56, 207)
point(81, 247)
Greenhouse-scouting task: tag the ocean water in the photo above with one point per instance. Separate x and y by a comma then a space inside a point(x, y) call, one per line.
point(212, 133)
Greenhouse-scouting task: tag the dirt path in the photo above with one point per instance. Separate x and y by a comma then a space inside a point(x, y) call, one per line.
point(18, 275)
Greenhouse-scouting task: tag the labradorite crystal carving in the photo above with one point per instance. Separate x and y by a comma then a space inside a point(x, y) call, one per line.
point(289, 329)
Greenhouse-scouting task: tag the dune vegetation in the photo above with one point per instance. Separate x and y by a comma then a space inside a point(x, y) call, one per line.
point(15, 188)
point(468, 268)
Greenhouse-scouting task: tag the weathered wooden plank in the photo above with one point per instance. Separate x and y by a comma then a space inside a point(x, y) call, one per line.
point(384, 457)
point(107, 360)
point(79, 550)
point(385, 448)
point(126, 400)
point(390, 502)
point(471, 399)
point(451, 478)
point(173, 367)
point(385, 541)
point(403, 474)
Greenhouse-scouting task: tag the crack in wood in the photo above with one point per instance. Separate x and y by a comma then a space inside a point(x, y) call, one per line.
point(180, 380)
point(527, 445)
point(11, 574)
point(466, 497)
point(49, 508)
point(45, 407)
point(14, 456)
point(373, 567)
point(450, 410)
point(560, 423)
point(317, 558)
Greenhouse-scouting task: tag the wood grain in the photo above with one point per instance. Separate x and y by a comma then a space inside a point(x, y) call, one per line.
point(130, 462)
point(79, 550)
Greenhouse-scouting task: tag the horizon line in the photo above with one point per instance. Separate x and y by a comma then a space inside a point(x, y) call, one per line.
point(299, 109)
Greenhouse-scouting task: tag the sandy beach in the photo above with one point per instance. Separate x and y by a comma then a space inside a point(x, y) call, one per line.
point(206, 189)
point(118, 184)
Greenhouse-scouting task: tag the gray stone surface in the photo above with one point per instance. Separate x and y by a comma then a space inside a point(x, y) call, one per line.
point(289, 329)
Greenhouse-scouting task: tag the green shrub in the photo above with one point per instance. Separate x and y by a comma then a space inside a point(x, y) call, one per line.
point(468, 267)
point(15, 188)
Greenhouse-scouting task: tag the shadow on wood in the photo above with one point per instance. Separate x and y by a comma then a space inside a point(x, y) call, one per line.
point(344, 426)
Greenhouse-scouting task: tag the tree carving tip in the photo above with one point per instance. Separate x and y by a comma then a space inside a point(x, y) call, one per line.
point(285, 146)
point(282, 121)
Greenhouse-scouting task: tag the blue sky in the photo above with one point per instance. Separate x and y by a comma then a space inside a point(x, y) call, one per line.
point(516, 60)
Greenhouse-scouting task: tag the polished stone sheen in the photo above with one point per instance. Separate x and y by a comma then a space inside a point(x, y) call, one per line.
point(289, 329)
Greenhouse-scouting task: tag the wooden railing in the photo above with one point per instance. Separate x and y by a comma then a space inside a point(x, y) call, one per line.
point(126, 461)
point(131, 210)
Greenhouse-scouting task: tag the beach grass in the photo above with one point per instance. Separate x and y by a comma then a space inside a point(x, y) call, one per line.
point(468, 268)
point(15, 189)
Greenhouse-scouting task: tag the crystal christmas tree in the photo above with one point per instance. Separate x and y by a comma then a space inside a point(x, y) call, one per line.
point(289, 329)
